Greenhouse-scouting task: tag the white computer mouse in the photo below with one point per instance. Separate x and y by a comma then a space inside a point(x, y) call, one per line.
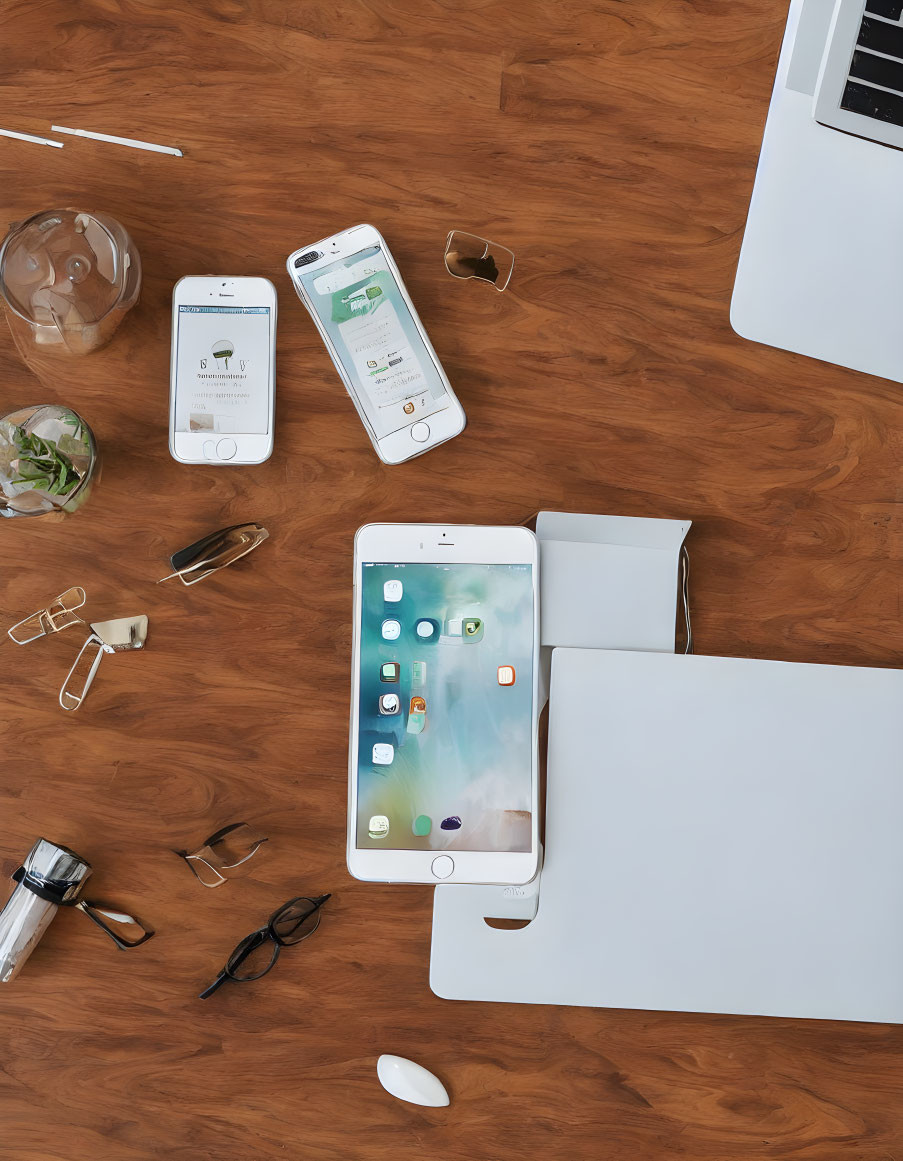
point(410, 1082)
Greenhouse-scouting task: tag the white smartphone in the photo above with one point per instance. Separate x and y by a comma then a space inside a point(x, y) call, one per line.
point(222, 376)
point(355, 295)
point(442, 772)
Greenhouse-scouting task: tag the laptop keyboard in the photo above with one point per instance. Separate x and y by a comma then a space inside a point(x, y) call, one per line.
point(874, 85)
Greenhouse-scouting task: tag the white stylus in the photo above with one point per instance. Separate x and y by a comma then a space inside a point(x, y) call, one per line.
point(30, 137)
point(130, 141)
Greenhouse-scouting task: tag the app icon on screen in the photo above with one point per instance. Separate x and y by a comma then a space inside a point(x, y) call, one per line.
point(455, 627)
point(473, 629)
point(379, 826)
point(393, 590)
point(391, 630)
point(418, 676)
point(427, 629)
point(223, 350)
point(389, 703)
point(389, 671)
point(453, 823)
point(422, 825)
point(383, 753)
point(418, 705)
point(416, 723)
point(506, 675)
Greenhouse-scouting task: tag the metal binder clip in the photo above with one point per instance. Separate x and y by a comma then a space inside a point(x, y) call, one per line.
point(119, 636)
point(59, 614)
point(201, 559)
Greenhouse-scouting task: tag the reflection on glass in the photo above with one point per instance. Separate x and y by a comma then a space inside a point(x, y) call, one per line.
point(469, 256)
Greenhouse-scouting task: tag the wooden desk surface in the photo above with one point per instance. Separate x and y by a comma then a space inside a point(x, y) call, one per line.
point(613, 147)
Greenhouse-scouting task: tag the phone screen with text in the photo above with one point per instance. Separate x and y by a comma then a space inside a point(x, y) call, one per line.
point(223, 369)
point(361, 308)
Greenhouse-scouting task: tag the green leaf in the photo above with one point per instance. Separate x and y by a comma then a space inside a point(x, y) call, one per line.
point(43, 464)
point(74, 422)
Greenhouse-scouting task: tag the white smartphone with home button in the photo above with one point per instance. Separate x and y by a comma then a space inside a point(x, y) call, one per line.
point(442, 773)
point(356, 297)
point(222, 370)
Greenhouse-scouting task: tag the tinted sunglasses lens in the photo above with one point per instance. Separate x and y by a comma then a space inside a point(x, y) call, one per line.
point(253, 957)
point(297, 920)
point(468, 256)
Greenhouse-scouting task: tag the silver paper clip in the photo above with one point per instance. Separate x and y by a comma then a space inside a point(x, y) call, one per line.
point(119, 636)
point(59, 614)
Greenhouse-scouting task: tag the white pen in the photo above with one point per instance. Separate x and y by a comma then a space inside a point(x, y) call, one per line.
point(30, 137)
point(131, 142)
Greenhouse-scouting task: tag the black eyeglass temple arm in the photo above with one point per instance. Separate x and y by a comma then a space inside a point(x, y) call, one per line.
point(217, 983)
point(88, 909)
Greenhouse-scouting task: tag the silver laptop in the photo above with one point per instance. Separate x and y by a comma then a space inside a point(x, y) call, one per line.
point(821, 267)
point(860, 82)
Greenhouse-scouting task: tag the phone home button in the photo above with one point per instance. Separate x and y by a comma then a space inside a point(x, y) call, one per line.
point(226, 449)
point(443, 866)
point(421, 433)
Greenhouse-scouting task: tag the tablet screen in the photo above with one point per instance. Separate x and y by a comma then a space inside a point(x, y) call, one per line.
point(445, 707)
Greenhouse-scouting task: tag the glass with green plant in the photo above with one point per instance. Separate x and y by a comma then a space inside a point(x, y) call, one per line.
point(48, 461)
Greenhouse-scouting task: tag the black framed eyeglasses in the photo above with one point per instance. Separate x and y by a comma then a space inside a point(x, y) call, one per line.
point(257, 952)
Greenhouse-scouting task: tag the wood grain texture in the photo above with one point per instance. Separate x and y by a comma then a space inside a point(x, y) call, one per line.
point(612, 146)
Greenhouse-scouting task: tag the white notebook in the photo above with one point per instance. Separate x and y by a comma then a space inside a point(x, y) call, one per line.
point(722, 835)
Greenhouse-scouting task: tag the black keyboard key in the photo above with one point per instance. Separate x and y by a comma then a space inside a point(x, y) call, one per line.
point(892, 9)
point(881, 37)
point(878, 69)
point(872, 103)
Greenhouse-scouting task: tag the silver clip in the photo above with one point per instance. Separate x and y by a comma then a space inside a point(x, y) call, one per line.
point(59, 614)
point(118, 636)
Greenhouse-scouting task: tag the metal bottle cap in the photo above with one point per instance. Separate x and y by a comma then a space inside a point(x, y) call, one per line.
point(55, 871)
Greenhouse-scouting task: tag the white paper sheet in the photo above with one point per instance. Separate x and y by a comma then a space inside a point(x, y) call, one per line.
point(609, 582)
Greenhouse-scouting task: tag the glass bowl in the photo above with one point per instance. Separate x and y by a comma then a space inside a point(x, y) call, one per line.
point(48, 461)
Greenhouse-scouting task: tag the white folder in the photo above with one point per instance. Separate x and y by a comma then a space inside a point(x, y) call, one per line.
point(722, 835)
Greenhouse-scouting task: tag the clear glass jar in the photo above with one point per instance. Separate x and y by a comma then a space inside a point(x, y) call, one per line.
point(49, 461)
point(67, 279)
